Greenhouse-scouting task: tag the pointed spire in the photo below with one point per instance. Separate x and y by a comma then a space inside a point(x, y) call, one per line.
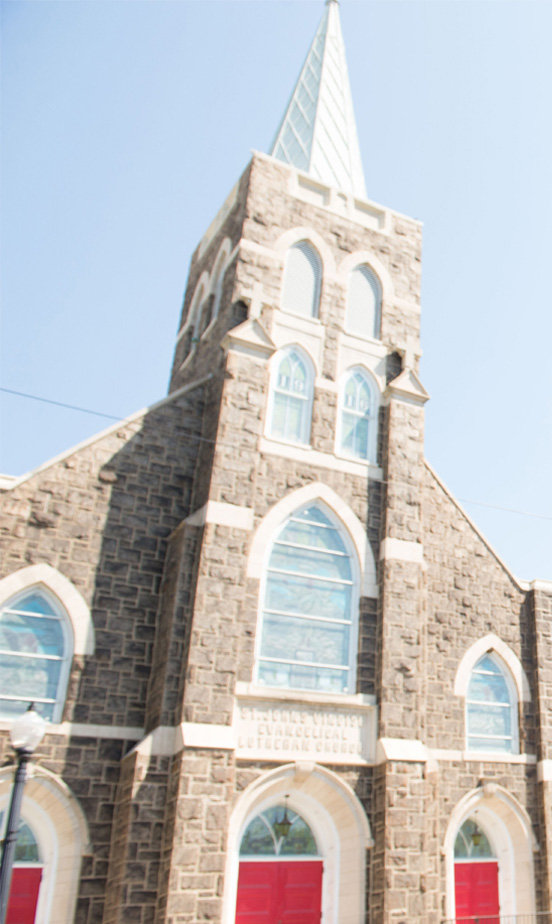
point(318, 132)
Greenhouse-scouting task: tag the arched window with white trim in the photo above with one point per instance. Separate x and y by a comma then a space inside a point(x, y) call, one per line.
point(302, 280)
point(308, 623)
point(291, 394)
point(492, 707)
point(357, 430)
point(363, 316)
point(36, 649)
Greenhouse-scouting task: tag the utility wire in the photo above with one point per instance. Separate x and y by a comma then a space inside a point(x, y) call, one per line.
point(125, 422)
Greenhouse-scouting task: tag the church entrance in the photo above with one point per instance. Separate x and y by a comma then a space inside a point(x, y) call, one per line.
point(26, 878)
point(280, 876)
point(475, 876)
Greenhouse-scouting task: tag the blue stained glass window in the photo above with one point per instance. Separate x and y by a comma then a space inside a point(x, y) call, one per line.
point(357, 415)
point(490, 708)
point(261, 838)
point(292, 399)
point(306, 635)
point(32, 656)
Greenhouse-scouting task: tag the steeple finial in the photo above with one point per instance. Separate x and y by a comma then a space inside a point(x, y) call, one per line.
point(318, 132)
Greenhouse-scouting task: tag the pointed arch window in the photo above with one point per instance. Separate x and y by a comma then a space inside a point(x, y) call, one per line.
point(357, 434)
point(291, 394)
point(307, 637)
point(263, 835)
point(491, 707)
point(302, 278)
point(363, 315)
point(35, 655)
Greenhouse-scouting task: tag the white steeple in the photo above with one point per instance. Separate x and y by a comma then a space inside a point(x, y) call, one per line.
point(318, 132)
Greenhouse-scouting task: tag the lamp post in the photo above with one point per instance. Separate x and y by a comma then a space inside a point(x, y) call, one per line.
point(26, 734)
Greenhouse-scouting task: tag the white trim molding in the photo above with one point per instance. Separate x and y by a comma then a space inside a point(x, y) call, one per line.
point(59, 825)
point(291, 502)
point(491, 643)
point(222, 514)
point(401, 550)
point(76, 607)
point(338, 821)
point(296, 235)
point(508, 828)
point(401, 749)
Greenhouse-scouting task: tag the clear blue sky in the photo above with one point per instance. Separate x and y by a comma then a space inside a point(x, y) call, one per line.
point(125, 125)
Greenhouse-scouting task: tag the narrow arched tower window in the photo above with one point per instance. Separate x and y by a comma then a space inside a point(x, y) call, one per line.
point(364, 303)
point(302, 277)
point(307, 634)
point(291, 397)
point(491, 707)
point(35, 654)
point(358, 418)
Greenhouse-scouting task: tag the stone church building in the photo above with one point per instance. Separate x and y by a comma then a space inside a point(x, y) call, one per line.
point(288, 680)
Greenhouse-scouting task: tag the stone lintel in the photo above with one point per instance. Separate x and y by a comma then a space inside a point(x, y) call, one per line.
point(222, 514)
point(402, 550)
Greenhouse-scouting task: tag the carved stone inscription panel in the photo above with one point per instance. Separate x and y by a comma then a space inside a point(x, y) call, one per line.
point(276, 730)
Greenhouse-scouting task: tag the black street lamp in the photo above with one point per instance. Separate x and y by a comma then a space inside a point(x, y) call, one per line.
point(26, 734)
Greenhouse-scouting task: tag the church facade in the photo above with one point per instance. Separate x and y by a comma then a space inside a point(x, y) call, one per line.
point(287, 678)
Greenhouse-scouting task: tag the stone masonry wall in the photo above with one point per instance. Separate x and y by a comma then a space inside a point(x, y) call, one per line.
point(102, 516)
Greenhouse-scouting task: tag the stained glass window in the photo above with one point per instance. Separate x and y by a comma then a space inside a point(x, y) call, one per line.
point(472, 843)
point(357, 415)
point(302, 276)
point(26, 847)
point(291, 399)
point(490, 708)
point(32, 656)
point(261, 838)
point(363, 303)
point(307, 640)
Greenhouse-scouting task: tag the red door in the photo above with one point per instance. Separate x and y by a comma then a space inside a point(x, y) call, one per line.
point(279, 893)
point(476, 891)
point(23, 895)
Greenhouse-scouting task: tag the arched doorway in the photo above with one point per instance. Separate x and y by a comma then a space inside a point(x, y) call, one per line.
point(476, 888)
point(280, 872)
point(26, 876)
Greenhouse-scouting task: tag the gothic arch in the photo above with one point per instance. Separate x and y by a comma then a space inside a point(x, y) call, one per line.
point(285, 507)
point(367, 258)
point(476, 651)
point(60, 827)
point(295, 235)
point(338, 820)
point(78, 611)
point(508, 826)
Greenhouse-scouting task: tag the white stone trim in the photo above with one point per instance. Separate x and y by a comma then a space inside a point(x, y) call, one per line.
point(356, 700)
point(292, 501)
point(108, 431)
point(338, 821)
point(403, 749)
point(81, 730)
point(492, 643)
point(222, 514)
point(76, 607)
point(295, 235)
point(401, 550)
point(544, 771)
point(487, 757)
point(508, 826)
point(368, 258)
point(545, 586)
point(56, 819)
point(327, 460)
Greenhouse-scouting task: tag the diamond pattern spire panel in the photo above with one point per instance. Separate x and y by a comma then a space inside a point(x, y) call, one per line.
point(318, 132)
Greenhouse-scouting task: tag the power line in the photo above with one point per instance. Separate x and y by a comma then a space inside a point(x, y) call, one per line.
point(125, 422)
point(71, 407)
